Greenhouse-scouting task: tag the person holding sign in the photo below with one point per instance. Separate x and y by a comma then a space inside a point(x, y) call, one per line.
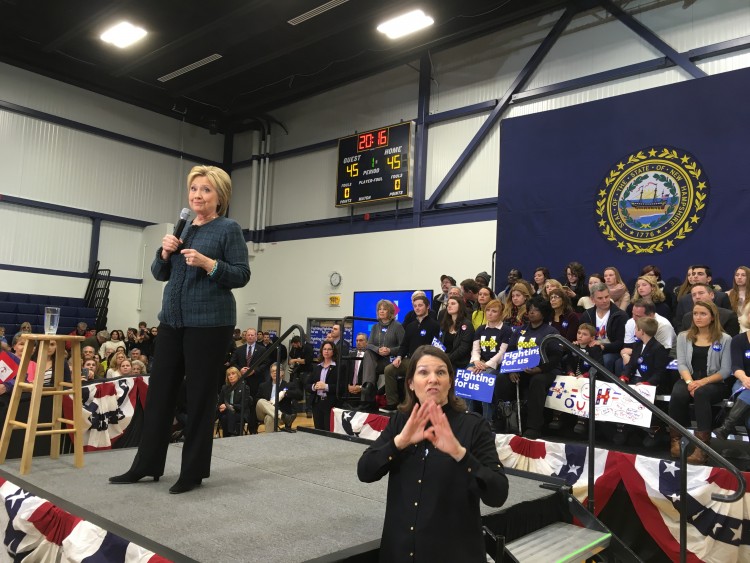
point(490, 342)
point(539, 376)
point(704, 362)
point(441, 462)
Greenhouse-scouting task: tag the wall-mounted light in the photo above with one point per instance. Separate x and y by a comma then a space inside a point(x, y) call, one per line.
point(123, 34)
point(405, 24)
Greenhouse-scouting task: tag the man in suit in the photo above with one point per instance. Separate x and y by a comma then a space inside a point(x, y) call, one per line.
point(648, 362)
point(245, 358)
point(288, 392)
point(698, 274)
point(727, 317)
point(354, 368)
point(340, 345)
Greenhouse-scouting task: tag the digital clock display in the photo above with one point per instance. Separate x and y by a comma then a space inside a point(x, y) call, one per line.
point(375, 165)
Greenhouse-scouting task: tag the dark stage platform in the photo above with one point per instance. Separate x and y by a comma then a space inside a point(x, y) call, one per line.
point(271, 497)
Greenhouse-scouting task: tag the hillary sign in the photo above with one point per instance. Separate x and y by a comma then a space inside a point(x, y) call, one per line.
point(475, 386)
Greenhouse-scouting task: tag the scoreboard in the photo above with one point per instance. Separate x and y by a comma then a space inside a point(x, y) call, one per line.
point(375, 165)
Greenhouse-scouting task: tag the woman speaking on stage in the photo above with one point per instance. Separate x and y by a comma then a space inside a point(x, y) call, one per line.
point(197, 318)
point(441, 461)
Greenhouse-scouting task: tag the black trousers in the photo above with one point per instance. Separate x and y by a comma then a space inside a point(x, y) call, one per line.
point(197, 355)
point(705, 397)
point(321, 410)
point(535, 387)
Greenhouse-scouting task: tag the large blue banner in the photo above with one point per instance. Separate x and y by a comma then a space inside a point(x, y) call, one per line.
point(654, 177)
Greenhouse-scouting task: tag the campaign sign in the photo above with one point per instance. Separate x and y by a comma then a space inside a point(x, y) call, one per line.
point(519, 360)
point(437, 344)
point(8, 366)
point(475, 386)
point(571, 395)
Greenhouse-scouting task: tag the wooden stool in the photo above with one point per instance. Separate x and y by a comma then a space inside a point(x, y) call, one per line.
point(38, 390)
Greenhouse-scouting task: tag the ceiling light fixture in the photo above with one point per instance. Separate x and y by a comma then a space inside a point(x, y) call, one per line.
point(405, 24)
point(123, 34)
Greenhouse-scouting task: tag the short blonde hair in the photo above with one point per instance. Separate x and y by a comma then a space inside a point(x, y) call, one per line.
point(219, 179)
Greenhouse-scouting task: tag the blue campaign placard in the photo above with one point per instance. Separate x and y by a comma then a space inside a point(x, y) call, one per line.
point(475, 386)
point(519, 360)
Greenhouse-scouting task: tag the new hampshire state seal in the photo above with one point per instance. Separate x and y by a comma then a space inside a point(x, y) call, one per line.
point(652, 200)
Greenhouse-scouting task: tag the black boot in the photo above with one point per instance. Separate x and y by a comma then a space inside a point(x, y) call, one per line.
point(737, 415)
point(130, 477)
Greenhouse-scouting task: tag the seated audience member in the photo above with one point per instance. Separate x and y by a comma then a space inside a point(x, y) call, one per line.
point(549, 285)
point(322, 385)
point(490, 342)
point(18, 346)
point(727, 317)
point(618, 293)
point(703, 362)
point(81, 329)
point(88, 370)
point(575, 282)
point(649, 359)
point(457, 333)
point(470, 289)
point(354, 369)
point(609, 321)
point(740, 356)
point(455, 292)
point(266, 399)
point(3, 341)
point(684, 288)
point(586, 302)
point(647, 288)
point(131, 339)
point(87, 353)
point(113, 363)
point(410, 316)
point(246, 359)
point(564, 319)
point(665, 334)
point(744, 320)
point(383, 346)
point(50, 364)
point(536, 380)
point(738, 294)
point(541, 275)
point(513, 276)
point(579, 367)
point(438, 301)
point(515, 311)
point(112, 344)
point(139, 368)
point(235, 402)
point(698, 274)
point(484, 296)
point(124, 368)
point(669, 296)
point(483, 279)
point(96, 340)
point(25, 328)
point(423, 330)
point(101, 370)
point(134, 354)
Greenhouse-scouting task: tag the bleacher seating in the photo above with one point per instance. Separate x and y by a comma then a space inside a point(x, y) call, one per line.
point(16, 308)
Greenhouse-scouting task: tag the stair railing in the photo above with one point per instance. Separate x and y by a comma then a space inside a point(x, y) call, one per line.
point(687, 437)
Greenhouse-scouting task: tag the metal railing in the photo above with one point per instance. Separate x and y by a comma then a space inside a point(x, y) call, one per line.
point(687, 437)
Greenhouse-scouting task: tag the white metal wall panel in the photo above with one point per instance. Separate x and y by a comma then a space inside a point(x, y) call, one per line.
point(121, 250)
point(57, 98)
point(479, 178)
point(242, 206)
point(387, 98)
point(44, 239)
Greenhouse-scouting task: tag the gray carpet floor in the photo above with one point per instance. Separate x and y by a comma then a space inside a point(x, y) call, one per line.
point(271, 497)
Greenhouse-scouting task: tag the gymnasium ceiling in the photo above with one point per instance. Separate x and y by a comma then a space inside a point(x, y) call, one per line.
point(265, 61)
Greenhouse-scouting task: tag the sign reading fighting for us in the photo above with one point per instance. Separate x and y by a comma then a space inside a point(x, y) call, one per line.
point(571, 395)
point(475, 386)
point(519, 360)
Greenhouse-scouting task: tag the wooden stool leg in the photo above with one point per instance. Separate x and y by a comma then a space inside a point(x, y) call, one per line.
point(15, 399)
point(57, 400)
point(36, 400)
point(77, 436)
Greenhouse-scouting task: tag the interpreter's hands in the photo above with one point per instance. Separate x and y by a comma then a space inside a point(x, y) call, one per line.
point(413, 432)
point(514, 377)
point(440, 433)
point(169, 245)
point(195, 258)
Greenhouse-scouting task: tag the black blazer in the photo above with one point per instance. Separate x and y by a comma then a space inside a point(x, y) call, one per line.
point(241, 398)
point(239, 360)
point(331, 379)
point(293, 393)
point(652, 359)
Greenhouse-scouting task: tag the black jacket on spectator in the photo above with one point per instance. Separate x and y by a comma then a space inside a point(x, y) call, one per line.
point(615, 327)
point(293, 393)
point(416, 334)
point(576, 364)
point(239, 360)
point(306, 353)
point(650, 360)
point(685, 305)
point(460, 350)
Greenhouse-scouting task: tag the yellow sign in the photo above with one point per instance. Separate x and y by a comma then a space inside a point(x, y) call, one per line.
point(334, 300)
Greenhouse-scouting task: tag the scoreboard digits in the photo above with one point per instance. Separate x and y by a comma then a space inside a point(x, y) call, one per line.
point(375, 165)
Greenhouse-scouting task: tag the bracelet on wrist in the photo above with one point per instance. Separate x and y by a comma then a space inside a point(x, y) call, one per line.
point(213, 270)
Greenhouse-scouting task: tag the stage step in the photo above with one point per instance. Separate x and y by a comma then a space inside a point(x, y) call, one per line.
point(558, 542)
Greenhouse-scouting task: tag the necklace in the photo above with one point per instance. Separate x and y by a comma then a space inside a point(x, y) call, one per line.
point(206, 221)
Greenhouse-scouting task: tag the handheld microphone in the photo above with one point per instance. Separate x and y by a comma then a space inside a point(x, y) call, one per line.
point(180, 225)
